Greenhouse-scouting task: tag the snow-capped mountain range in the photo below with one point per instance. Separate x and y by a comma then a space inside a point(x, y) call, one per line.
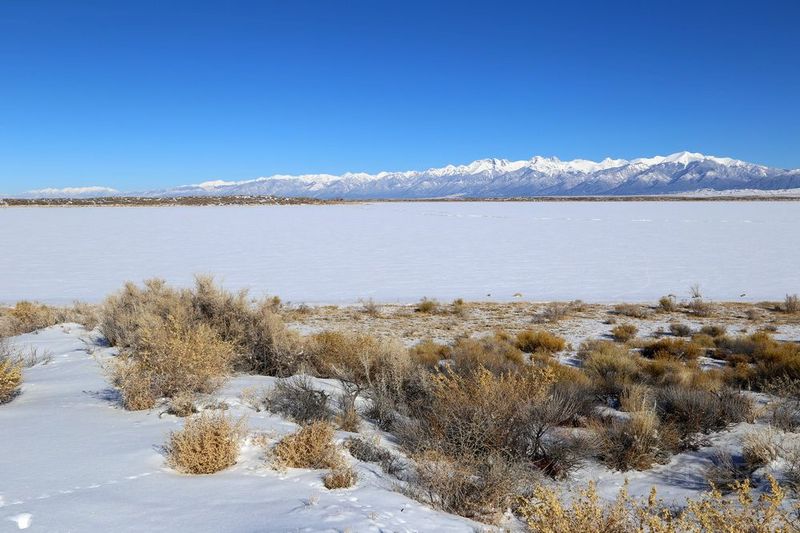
point(679, 173)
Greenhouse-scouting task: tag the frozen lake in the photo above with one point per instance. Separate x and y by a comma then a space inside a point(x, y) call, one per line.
point(595, 251)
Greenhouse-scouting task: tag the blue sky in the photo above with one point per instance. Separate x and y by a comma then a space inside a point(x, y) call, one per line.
point(146, 94)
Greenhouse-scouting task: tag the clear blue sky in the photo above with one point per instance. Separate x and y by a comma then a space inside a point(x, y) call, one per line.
point(144, 94)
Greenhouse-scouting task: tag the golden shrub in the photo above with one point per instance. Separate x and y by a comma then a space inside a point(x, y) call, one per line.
point(10, 379)
point(340, 478)
point(207, 443)
point(534, 341)
point(624, 332)
point(311, 446)
point(171, 358)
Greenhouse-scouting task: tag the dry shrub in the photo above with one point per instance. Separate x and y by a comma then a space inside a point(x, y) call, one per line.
point(310, 447)
point(554, 311)
point(182, 405)
point(632, 310)
point(668, 304)
point(480, 489)
point(348, 418)
point(680, 330)
point(340, 478)
point(547, 511)
point(791, 304)
point(713, 330)
point(371, 452)
point(624, 332)
point(297, 399)
point(636, 398)
point(459, 307)
point(10, 375)
point(725, 472)
point(427, 306)
point(476, 413)
point(495, 353)
point(761, 447)
point(765, 361)
point(680, 349)
point(429, 353)
point(30, 316)
point(696, 411)
point(354, 357)
point(609, 366)
point(539, 341)
point(370, 308)
point(207, 443)
point(635, 443)
point(698, 307)
point(171, 358)
point(256, 332)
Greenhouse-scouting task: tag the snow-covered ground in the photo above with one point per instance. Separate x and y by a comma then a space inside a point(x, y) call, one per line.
point(595, 251)
point(72, 460)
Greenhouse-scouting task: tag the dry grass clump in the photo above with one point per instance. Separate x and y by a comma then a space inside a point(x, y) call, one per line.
point(297, 399)
point(310, 447)
point(479, 489)
point(10, 375)
point(555, 311)
point(668, 304)
point(624, 332)
point(632, 310)
point(171, 358)
point(713, 330)
point(547, 511)
point(680, 349)
point(427, 305)
point(348, 418)
point(759, 361)
point(207, 443)
point(791, 304)
point(699, 307)
point(680, 330)
point(429, 354)
point(695, 411)
point(259, 336)
point(354, 357)
point(636, 442)
point(496, 353)
point(182, 405)
point(26, 317)
point(340, 478)
point(539, 341)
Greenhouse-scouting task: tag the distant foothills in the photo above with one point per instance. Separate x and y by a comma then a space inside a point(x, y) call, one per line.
point(683, 175)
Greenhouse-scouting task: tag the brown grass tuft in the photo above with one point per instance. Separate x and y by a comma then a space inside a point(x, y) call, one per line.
point(206, 444)
point(624, 332)
point(310, 447)
point(539, 341)
point(340, 478)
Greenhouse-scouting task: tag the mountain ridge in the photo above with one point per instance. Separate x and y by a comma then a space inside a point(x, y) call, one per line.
point(681, 172)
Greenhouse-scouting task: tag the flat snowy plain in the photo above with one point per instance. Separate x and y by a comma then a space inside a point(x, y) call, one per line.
point(595, 251)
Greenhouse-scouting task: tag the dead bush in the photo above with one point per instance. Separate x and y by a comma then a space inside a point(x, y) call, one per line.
point(269, 346)
point(725, 472)
point(672, 348)
point(310, 447)
point(297, 399)
point(610, 369)
point(624, 332)
point(539, 341)
point(713, 330)
point(480, 489)
point(547, 511)
point(10, 375)
point(429, 353)
point(171, 358)
point(632, 310)
point(694, 411)
point(348, 418)
point(668, 304)
point(340, 478)
point(207, 443)
point(370, 451)
point(761, 447)
point(495, 353)
point(182, 405)
point(680, 330)
point(427, 306)
point(700, 308)
point(791, 304)
point(635, 443)
point(355, 357)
